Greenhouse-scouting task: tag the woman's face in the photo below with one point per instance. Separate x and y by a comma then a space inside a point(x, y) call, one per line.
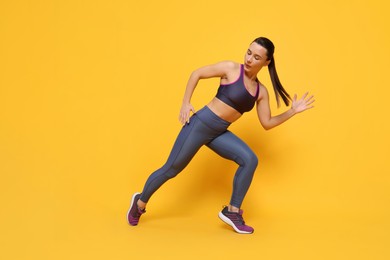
point(255, 57)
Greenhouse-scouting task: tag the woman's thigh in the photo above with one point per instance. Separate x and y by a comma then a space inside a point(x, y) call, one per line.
point(231, 147)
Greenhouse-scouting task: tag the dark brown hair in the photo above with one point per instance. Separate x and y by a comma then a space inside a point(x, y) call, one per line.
point(278, 88)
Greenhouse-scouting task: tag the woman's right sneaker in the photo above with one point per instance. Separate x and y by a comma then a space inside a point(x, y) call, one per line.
point(235, 220)
point(134, 213)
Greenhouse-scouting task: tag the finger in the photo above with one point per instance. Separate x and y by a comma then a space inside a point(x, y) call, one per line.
point(182, 118)
point(187, 117)
point(304, 95)
point(295, 97)
point(310, 102)
point(310, 97)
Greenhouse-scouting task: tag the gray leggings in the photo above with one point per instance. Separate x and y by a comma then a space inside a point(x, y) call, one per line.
point(206, 128)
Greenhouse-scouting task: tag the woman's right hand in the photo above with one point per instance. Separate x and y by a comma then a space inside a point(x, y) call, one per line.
point(185, 112)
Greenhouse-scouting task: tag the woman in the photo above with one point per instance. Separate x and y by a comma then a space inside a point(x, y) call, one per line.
point(239, 91)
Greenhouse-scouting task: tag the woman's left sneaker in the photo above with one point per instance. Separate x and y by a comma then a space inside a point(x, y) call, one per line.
point(134, 213)
point(235, 220)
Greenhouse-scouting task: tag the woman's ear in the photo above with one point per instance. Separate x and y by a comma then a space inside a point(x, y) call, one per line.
point(267, 62)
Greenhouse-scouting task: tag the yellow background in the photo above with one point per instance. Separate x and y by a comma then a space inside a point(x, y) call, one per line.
point(89, 97)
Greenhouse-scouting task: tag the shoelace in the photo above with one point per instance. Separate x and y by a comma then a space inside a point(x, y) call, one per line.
point(138, 213)
point(236, 217)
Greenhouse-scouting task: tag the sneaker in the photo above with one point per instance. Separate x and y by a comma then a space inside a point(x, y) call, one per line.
point(235, 220)
point(134, 212)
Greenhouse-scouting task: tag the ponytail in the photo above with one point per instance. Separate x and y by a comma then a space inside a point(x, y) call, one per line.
point(278, 88)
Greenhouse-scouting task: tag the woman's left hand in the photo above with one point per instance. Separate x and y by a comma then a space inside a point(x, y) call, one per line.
point(302, 104)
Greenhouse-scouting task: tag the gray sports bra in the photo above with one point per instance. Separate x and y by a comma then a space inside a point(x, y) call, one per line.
point(236, 95)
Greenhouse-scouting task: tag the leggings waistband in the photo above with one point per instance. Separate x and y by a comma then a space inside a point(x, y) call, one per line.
point(210, 119)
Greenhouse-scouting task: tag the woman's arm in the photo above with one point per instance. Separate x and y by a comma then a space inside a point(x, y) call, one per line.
point(220, 69)
point(264, 111)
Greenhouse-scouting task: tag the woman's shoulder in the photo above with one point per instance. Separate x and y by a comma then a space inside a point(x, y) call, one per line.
point(229, 64)
point(263, 92)
point(231, 71)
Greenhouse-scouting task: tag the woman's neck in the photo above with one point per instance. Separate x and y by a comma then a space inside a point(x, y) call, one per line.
point(252, 76)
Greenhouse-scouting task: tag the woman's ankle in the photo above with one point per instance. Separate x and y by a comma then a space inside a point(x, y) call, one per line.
point(141, 205)
point(233, 209)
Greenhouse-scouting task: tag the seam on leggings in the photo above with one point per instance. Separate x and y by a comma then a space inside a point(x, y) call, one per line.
point(174, 158)
point(185, 141)
point(163, 175)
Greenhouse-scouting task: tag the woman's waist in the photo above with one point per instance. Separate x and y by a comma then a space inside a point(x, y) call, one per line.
point(223, 110)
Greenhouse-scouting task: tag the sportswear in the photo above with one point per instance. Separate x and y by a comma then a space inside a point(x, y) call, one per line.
point(235, 220)
point(134, 213)
point(236, 95)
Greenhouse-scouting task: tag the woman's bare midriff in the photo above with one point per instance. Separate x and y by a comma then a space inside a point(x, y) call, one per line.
point(223, 110)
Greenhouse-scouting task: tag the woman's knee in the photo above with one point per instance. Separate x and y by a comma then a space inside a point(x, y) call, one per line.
point(254, 160)
point(249, 159)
